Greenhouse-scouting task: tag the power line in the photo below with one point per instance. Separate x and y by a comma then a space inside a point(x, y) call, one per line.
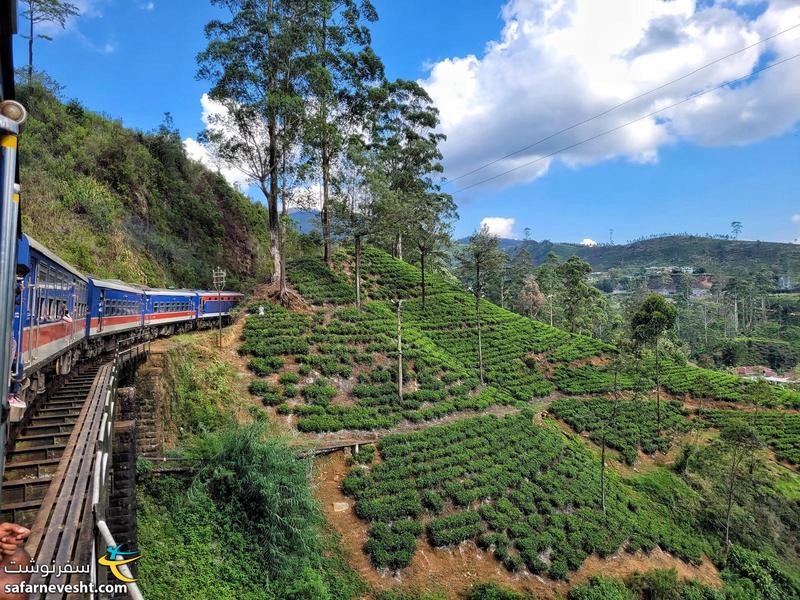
point(621, 104)
point(617, 128)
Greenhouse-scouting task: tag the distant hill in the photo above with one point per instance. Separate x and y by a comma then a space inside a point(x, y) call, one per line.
point(307, 220)
point(719, 256)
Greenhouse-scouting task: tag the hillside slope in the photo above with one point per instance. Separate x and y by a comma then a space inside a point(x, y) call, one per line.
point(130, 205)
point(461, 470)
point(724, 257)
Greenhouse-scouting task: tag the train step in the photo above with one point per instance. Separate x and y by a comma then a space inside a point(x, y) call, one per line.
point(27, 489)
point(27, 441)
point(66, 402)
point(62, 420)
point(49, 428)
point(30, 468)
point(35, 453)
point(59, 412)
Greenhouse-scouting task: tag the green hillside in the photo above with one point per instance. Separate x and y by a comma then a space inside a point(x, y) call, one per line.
point(524, 486)
point(125, 204)
point(719, 256)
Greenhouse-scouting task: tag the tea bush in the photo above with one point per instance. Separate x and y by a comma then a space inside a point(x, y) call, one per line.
point(634, 427)
point(519, 487)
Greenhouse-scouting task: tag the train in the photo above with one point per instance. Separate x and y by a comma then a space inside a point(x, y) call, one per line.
point(62, 317)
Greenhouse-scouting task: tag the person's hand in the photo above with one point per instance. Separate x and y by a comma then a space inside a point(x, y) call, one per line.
point(11, 537)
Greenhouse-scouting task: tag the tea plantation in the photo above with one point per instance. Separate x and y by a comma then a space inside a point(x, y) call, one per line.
point(629, 427)
point(522, 490)
point(517, 486)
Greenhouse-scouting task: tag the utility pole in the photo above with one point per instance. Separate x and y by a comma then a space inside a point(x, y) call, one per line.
point(219, 284)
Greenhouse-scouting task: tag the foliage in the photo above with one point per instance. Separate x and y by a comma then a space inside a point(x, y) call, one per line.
point(601, 588)
point(252, 503)
point(528, 485)
point(492, 591)
point(123, 204)
point(632, 428)
point(781, 431)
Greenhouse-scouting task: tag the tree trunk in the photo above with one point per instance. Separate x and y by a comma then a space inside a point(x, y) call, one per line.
point(658, 391)
point(275, 246)
point(357, 244)
point(399, 353)
point(478, 321)
point(326, 216)
point(399, 245)
point(422, 269)
point(30, 46)
point(603, 472)
point(729, 508)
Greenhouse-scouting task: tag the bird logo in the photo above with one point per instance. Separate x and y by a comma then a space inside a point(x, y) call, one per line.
point(115, 558)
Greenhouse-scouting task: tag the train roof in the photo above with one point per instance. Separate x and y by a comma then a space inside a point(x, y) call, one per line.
point(215, 292)
point(165, 292)
point(42, 249)
point(116, 284)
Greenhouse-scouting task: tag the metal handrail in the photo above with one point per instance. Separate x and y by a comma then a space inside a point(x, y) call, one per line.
point(101, 474)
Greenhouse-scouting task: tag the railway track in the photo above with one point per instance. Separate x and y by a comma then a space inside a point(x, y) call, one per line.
point(36, 454)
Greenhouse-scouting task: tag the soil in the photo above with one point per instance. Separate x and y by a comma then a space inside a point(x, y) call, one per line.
point(451, 570)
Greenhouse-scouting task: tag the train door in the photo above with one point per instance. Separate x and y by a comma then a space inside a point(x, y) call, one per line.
point(32, 311)
point(101, 310)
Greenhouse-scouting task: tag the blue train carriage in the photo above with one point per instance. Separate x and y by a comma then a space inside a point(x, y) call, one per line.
point(49, 317)
point(212, 305)
point(115, 308)
point(169, 311)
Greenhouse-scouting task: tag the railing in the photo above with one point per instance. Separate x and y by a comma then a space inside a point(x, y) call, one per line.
point(102, 474)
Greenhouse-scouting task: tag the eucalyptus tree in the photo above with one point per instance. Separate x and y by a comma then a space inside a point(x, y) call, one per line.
point(405, 146)
point(257, 61)
point(353, 204)
point(430, 231)
point(478, 259)
point(38, 12)
point(654, 317)
point(341, 65)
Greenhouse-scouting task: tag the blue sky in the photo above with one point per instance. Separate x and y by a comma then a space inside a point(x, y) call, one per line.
point(135, 60)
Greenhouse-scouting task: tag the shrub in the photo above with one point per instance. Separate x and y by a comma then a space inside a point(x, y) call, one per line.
point(492, 591)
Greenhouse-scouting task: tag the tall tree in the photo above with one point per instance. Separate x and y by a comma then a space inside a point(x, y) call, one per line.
point(740, 440)
point(529, 298)
point(583, 304)
point(255, 62)
point(341, 65)
point(652, 319)
point(38, 12)
point(354, 205)
point(477, 260)
point(406, 147)
point(431, 231)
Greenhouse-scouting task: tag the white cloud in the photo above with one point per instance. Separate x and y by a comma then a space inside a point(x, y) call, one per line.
point(588, 242)
point(558, 62)
point(196, 151)
point(109, 48)
point(499, 226)
point(796, 218)
point(148, 6)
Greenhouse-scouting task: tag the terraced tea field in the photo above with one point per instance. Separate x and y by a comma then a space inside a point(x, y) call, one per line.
point(517, 486)
point(521, 490)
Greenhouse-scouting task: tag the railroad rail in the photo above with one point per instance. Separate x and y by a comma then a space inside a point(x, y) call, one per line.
point(58, 475)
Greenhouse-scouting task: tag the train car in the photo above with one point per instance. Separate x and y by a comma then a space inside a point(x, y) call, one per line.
point(51, 312)
point(114, 307)
point(214, 304)
point(170, 310)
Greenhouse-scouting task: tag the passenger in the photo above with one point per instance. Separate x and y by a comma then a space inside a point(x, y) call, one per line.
point(13, 558)
point(66, 318)
point(260, 311)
